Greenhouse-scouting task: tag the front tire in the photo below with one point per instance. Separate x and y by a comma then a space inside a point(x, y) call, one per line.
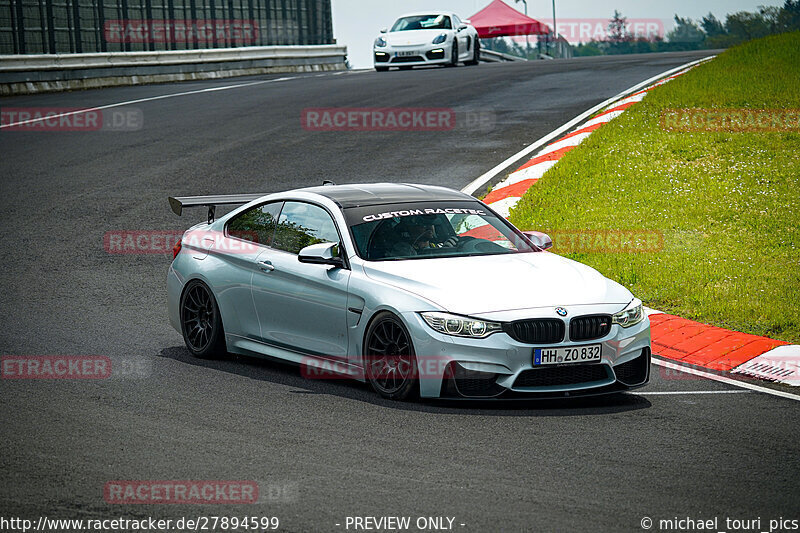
point(201, 323)
point(382, 69)
point(454, 55)
point(390, 362)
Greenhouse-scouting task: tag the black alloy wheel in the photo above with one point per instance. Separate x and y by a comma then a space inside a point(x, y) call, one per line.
point(389, 358)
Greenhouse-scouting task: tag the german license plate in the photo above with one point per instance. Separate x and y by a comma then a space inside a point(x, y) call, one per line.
point(572, 354)
point(407, 53)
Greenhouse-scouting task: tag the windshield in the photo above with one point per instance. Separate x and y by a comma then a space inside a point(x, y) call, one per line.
point(423, 22)
point(431, 229)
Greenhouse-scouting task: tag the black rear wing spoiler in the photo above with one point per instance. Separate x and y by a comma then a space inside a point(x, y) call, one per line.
point(211, 202)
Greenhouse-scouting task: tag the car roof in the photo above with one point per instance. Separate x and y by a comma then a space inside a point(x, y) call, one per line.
point(347, 196)
point(431, 12)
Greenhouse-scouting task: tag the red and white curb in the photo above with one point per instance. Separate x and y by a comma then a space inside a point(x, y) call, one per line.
point(507, 193)
point(722, 350)
point(691, 344)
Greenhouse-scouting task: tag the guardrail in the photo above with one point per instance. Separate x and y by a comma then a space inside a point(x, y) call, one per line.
point(25, 74)
point(490, 56)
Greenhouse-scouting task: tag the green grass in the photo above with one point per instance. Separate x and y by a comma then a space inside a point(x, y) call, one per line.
point(727, 204)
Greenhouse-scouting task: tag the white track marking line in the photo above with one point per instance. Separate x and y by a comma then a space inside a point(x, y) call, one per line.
point(483, 179)
point(148, 99)
point(723, 379)
point(676, 393)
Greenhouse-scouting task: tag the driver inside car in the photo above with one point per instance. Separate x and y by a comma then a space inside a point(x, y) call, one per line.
point(418, 233)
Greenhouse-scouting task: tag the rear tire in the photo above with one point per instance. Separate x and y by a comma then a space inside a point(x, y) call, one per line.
point(476, 53)
point(390, 362)
point(201, 323)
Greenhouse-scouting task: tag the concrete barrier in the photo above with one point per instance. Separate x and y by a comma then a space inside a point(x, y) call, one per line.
point(490, 56)
point(26, 74)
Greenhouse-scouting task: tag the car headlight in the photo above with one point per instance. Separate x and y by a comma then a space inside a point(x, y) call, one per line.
point(630, 316)
point(440, 38)
point(380, 42)
point(461, 326)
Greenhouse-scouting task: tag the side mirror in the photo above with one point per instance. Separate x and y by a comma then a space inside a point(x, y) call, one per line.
point(384, 30)
point(466, 21)
point(541, 240)
point(325, 253)
point(462, 27)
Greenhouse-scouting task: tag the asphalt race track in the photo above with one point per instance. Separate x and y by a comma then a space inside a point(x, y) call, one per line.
point(325, 450)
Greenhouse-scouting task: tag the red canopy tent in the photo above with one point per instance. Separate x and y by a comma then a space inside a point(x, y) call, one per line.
point(499, 19)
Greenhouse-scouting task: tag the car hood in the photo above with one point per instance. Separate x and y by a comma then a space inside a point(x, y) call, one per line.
point(487, 284)
point(412, 37)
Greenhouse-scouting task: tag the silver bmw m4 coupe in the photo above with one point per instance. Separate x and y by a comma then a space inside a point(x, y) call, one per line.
point(420, 291)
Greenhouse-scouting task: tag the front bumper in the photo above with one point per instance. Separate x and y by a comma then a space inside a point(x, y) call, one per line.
point(427, 54)
point(501, 367)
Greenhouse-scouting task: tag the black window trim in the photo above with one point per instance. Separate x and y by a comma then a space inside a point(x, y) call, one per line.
point(342, 249)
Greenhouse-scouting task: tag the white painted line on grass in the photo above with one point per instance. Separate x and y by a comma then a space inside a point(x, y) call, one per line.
point(723, 379)
point(483, 179)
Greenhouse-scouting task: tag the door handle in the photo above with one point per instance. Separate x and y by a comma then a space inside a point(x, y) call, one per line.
point(266, 266)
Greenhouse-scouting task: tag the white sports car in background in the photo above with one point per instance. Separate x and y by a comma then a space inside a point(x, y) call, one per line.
point(431, 38)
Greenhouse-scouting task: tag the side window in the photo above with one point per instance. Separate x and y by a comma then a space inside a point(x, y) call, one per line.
point(302, 225)
point(456, 21)
point(256, 224)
